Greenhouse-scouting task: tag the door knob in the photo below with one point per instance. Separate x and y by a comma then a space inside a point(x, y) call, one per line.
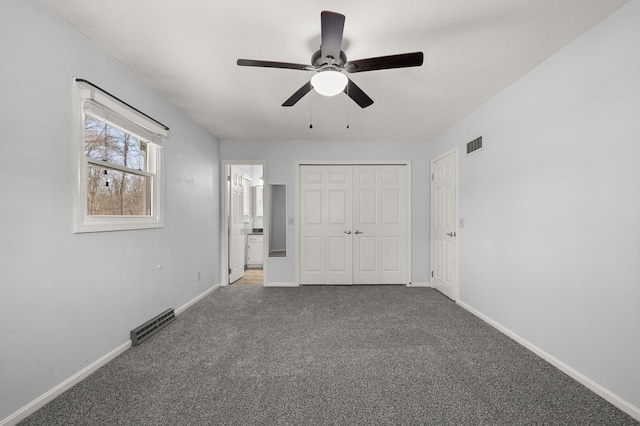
point(347, 232)
point(451, 234)
point(358, 232)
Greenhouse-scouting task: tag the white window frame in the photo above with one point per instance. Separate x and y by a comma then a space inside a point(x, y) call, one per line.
point(90, 100)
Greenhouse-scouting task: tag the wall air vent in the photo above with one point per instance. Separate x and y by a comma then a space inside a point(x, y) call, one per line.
point(474, 145)
point(151, 327)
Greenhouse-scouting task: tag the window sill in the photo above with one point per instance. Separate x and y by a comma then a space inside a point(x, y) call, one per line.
point(111, 223)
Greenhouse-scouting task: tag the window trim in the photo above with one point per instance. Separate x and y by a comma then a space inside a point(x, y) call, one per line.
point(100, 106)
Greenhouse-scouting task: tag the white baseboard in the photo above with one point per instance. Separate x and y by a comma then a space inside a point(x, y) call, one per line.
point(195, 300)
point(41, 401)
point(614, 399)
point(419, 285)
point(281, 285)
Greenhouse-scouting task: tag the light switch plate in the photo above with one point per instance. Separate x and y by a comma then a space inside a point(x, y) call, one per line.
point(460, 222)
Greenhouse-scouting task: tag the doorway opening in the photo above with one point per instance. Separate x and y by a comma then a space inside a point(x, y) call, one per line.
point(242, 243)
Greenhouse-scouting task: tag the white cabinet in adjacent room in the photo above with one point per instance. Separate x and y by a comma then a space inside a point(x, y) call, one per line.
point(255, 256)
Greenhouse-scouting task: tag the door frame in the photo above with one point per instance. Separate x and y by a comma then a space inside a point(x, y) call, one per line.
point(298, 188)
point(225, 167)
point(453, 151)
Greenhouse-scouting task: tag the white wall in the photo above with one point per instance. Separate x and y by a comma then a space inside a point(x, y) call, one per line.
point(551, 243)
point(68, 299)
point(281, 157)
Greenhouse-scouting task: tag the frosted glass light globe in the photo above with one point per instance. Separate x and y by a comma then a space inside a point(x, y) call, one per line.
point(329, 83)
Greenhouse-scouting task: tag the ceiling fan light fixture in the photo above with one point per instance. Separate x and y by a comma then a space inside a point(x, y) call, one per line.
point(329, 82)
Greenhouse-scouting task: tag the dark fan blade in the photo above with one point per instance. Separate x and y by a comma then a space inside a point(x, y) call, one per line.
point(271, 64)
point(332, 27)
point(358, 96)
point(298, 95)
point(403, 60)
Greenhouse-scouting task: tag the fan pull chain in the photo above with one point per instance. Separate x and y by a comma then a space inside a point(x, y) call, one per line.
point(348, 103)
point(347, 116)
point(310, 113)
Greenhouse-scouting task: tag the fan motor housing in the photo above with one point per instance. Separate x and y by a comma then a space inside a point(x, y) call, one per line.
point(318, 61)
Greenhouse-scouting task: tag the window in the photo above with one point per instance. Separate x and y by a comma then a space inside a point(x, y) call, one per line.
point(118, 164)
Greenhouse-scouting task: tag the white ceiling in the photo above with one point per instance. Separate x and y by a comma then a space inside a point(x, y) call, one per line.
point(187, 50)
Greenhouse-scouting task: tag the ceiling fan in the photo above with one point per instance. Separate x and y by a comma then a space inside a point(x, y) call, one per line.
point(329, 63)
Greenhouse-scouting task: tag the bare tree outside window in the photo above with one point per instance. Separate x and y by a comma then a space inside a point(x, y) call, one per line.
point(115, 191)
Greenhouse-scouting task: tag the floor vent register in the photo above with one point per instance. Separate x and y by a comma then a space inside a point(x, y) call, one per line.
point(151, 327)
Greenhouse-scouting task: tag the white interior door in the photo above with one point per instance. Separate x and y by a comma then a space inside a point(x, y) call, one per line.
point(236, 226)
point(353, 226)
point(379, 225)
point(443, 225)
point(338, 233)
point(312, 224)
point(325, 231)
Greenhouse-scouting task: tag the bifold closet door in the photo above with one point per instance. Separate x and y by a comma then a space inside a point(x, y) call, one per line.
point(326, 222)
point(353, 225)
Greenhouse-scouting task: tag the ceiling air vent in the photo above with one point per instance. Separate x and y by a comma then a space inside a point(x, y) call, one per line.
point(474, 145)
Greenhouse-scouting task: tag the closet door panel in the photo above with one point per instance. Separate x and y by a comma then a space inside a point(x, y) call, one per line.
point(339, 223)
point(367, 254)
point(313, 224)
point(393, 226)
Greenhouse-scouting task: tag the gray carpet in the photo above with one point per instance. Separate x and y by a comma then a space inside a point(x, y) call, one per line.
point(328, 356)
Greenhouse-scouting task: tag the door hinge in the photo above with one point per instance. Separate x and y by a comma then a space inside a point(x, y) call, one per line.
point(433, 176)
point(431, 274)
point(229, 270)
